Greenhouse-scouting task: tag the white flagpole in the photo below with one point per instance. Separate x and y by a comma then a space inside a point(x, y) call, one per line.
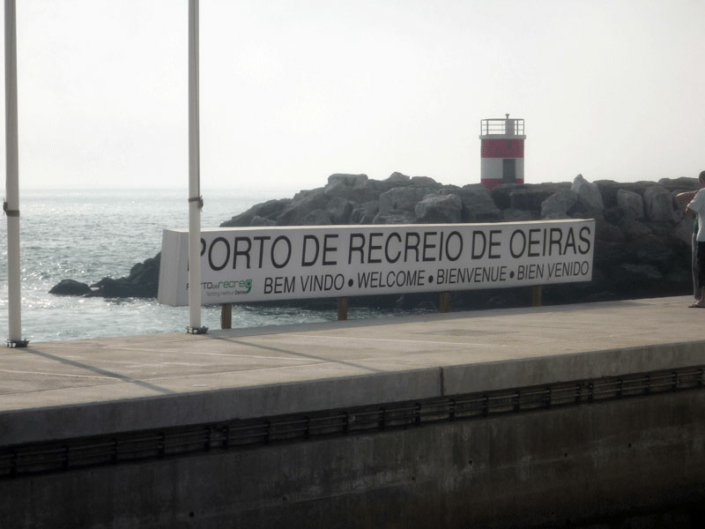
point(195, 200)
point(12, 188)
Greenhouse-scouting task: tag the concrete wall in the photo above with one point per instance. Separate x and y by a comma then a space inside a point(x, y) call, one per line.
point(561, 466)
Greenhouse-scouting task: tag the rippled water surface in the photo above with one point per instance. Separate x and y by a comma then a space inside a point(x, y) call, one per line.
point(87, 235)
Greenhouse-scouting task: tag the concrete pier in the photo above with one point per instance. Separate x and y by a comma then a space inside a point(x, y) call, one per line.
point(504, 467)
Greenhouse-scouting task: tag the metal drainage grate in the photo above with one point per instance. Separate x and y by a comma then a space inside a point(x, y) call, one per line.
point(84, 452)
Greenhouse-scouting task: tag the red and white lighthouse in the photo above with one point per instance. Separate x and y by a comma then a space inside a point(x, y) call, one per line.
point(502, 151)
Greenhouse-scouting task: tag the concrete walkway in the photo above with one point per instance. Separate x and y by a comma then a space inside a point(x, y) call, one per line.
point(65, 389)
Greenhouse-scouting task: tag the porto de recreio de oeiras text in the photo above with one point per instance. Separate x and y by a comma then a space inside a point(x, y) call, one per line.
point(393, 247)
point(357, 259)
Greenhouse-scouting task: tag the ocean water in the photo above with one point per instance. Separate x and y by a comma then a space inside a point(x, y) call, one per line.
point(89, 234)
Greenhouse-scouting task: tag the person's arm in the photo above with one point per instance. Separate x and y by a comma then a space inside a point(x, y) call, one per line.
point(696, 204)
point(684, 198)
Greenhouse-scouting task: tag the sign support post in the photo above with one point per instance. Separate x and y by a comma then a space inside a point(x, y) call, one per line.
point(12, 188)
point(195, 200)
point(226, 316)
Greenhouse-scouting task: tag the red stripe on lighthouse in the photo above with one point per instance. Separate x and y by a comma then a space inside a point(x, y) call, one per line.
point(502, 148)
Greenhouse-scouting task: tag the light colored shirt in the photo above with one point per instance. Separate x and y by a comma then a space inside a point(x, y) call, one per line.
point(698, 206)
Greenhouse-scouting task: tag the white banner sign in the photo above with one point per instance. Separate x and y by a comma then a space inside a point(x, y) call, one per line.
point(261, 264)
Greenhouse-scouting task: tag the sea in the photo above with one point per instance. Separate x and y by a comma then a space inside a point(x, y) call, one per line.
point(88, 234)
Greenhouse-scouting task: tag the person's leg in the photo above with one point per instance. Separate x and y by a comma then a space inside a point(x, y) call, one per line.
point(694, 267)
point(701, 273)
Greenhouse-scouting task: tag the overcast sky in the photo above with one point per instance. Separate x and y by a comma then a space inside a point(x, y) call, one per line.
point(295, 90)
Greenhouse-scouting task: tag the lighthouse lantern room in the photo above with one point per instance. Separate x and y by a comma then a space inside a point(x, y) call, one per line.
point(502, 151)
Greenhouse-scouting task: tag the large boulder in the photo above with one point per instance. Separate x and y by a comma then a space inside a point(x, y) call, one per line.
point(634, 229)
point(397, 180)
point(684, 230)
point(316, 217)
point(402, 198)
point(654, 252)
point(439, 209)
point(261, 221)
point(659, 204)
point(501, 195)
point(70, 287)
point(267, 210)
point(362, 191)
point(679, 185)
point(301, 206)
point(477, 203)
point(395, 217)
point(143, 281)
point(531, 197)
point(631, 202)
point(347, 179)
point(589, 196)
point(559, 204)
point(642, 271)
point(609, 189)
point(364, 213)
point(608, 232)
point(339, 210)
point(518, 215)
point(642, 243)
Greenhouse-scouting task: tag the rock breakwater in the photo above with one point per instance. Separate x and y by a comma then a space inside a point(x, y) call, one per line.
point(642, 246)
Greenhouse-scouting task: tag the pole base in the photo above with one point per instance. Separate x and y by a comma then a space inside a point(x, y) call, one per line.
point(17, 343)
point(197, 330)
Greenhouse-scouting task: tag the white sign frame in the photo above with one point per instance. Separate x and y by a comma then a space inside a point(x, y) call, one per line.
point(279, 263)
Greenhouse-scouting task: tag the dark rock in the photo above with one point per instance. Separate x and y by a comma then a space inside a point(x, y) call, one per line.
point(589, 196)
point(641, 271)
point(301, 206)
point(609, 190)
point(656, 253)
point(659, 204)
point(348, 179)
point(527, 197)
point(608, 232)
point(679, 185)
point(615, 215)
point(365, 213)
point(530, 198)
point(143, 282)
point(317, 217)
point(679, 275)
point(439, 209)
point(518, 215)
point(477, 202)
point(636, 254)
point(262, 221)
point(608, 254)
point(339, 210)
point(394, 217)
point(559, 204)
point(397, 180)
point(501, 195)
point(402, 198)
point(424, 181)
point(684, 230)
point(70, 287)
point(634, 229)
point(268, 210)
point(631, 202)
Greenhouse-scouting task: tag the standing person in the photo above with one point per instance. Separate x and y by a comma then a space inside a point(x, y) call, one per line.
point(685, 198)
point(697, 207)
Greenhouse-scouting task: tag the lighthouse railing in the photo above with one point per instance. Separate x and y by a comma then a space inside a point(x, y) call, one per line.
point(499, 126)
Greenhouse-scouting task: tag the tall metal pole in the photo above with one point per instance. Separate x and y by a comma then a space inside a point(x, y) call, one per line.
point(12, 188)
point(195, 200)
